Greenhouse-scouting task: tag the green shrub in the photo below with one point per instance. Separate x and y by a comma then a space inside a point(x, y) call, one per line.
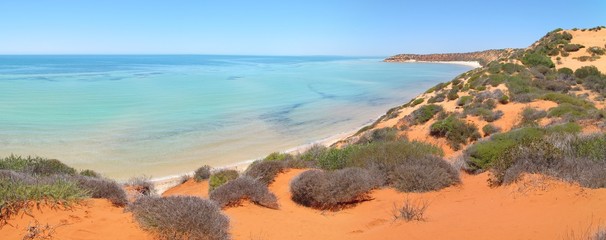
point(221, 177)
point(380, 135)
point(511, 68)
point(452, 94)
point(521, 89)
point(596, 50)
point(437, 87)
point(490, 129)
point(572, 47)
point(425, 113)
point(232, 193)
point(202, 173)
point(586, 71)
point(455, 131)
point(331, 190)
point(565, 98)
point(276, 156)
point(90, 173)
point(417, 102)
point(36, 165)
point(464, 100)
point(559, 156)
point(181, 217)
point(531, 115)
point(17, 190)
point(334, 158)
point(504, 99)
point(439, 97)
point(532, 59)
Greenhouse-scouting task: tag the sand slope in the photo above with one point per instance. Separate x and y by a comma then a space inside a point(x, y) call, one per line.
point(536, 208)
point(93, 219)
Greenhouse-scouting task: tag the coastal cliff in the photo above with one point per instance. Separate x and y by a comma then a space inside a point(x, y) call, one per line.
point(483, 57)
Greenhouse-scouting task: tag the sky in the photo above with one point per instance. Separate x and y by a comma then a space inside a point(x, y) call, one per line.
point(309, 27)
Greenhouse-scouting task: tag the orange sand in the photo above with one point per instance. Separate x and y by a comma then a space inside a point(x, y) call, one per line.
point(587, 39)
point(536, 209)
point(93, 219)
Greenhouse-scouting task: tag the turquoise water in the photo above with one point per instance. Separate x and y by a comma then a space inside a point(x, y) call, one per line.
point(127, 116)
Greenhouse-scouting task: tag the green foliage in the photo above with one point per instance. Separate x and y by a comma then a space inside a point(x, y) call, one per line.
point(504, 99)
point(221, 177)
point(521, 89)
point(425, 113)
point(380, 135)
point(90, 173)
point(334, 158)
point(464, 100)
point(564, 98)
point(566, 71)
point(439, 97)
point(511, 68)
point(276, 156)
point(417, 102)
point(532, 59)
point(531, 115)
point(572, 47)
point(36, 165)
point(482, 154)
point(596, 50)
point(586, 71)
point(490, 129)
point(452, 94)
point(455, 130)
point(437, 87)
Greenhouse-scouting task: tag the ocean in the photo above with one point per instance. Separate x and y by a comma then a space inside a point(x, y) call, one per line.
point(127, 116)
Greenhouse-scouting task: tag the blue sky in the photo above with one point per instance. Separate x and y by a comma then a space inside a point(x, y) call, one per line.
point(362, 28)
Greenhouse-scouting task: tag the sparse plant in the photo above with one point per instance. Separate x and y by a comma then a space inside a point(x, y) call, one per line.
point(141, 185)
point(181, 217)
point(411, 210)
point(202, 173)
point(265, 171)
point(232, 193)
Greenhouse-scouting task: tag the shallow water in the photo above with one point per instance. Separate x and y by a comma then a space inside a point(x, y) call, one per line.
point(126, 116)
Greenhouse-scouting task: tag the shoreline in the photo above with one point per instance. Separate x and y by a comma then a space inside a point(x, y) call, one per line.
point(474, 64)
point(164, 183)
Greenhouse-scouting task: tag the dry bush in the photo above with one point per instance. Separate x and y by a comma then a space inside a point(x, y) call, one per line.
point(428, 173)
point(332, 190)
point(142, 185)
point(411, 210)
point(181, 217)
point(244, 188)
point(202, 173)
point(103, 188)
point(265, 171)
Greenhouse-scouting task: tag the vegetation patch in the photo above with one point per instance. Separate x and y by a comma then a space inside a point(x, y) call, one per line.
point(455, 130)
point(221, 177)
point(202, 173)
point(265, 171)
point(424, 113)
point(331, 190)
point(244, 188)
point(181, 217)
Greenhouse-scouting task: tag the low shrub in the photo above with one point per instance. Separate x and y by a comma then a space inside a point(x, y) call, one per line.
point(572, 47)
point(531, 115)
point(181, 217)
point(265, 171)
point(504, 99)
point(103, 188)
point(90, 173)
point(464, 100)
point(18, 190)
point(596, 50)
point(36, 165)
point(452, 94)
point(417, 102)
point(532, 59)
point(277, 156)
point(141, 185)
point(437, 87)
point(331, 190)
point(411, 210)
point(586, 71)
point(490, 129)
point(334, 158)
point(569, 157)
point(380, 135)
point(202, 173)
point(439, 97)
point(455, 130)
point(425, 113)
point(428, 173)
point(221, 177)
point(244, 188)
